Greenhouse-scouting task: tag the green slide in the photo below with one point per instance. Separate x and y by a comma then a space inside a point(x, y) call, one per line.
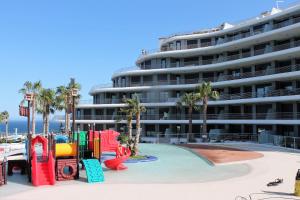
point(93, 170)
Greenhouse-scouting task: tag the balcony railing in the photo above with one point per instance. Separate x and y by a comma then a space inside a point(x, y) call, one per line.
point(221, 58)
point(230, 96)
point(271, 93)
point(221, 116)
point(239, 36)
point(268, 71)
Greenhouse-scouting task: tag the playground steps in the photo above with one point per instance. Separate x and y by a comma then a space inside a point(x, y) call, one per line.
point(94, 171)
point(44, 174)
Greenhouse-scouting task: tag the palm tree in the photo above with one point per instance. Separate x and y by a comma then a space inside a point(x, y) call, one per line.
point(73, 86)
point(189, 100)
point(5, 118)
point(34, 89)
point(205, 92)
point(46, 106)
point(129, 117)
point(65, 101)
point(134, 108)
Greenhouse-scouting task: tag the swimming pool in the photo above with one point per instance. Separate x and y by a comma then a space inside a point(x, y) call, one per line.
point(174, 165)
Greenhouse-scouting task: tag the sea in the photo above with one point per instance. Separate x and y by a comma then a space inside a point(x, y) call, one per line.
point(20, 127)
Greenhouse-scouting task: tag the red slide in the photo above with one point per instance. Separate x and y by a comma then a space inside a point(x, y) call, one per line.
point(117, 163)
point(43, 167)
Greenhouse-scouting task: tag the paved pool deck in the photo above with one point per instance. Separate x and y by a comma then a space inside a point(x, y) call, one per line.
point(275, 163)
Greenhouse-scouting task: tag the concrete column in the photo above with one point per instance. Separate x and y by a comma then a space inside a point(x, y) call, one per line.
point(169, 78)
point(274, 107)
point(93, 113)
point(104, 112)
point(200, 60)
point(182, 79)
point(182, 114)
point(273, 85)
point(253, 91)
point(155, 78)
point(157, 128)
point(295, 110)
point(127, 81)
point(294, 84)
point(242, 128)
point(181, 62)
point(271, 24)
point(271, 46)
point(292, 42)
point(254, 111)
point(296, 131)
point(252, 50)
point(143, 133)
point(251, 30)
point(242, 90)
point(183, 44)
point(215, 76)
point(240, 53)
point(293, 63)
point(254, 128)
point(274, 128)
point(200, 77)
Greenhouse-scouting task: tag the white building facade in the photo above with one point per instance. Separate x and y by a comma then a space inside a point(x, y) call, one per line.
point(255, 66)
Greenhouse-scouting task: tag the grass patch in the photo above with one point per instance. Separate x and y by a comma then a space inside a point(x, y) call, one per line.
point(138, 157)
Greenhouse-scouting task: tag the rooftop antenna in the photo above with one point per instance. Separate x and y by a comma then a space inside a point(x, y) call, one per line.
point(278, 2)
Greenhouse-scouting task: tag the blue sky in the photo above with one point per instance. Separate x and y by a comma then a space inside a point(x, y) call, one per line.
point(53, 40)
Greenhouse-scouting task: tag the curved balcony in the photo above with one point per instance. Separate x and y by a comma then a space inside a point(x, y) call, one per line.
point(222, 58)
point(234, 37)
point(221, 116)
point(171, 101)
point(216, 63)
point(220, 78)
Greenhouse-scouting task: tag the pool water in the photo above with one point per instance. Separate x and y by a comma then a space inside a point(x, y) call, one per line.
point(174, 165)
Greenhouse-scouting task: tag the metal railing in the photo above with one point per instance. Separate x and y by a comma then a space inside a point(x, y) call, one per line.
point(268, 71)
point(260, 51)
point(223, 96)
point(105, 85)
point(183, 138)
point(256, 52)
point(220, 116)
point(280, 140)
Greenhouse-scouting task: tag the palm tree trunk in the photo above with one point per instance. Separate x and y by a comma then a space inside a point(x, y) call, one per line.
point(33, 116)
point(138, 133)
point(44, 124)
point(47, 124)
point(191, 135)
point(129, 129)
point(66, 122)
point(205, 119)
point(6, 129)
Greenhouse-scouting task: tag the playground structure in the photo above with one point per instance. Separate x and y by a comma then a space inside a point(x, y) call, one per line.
point(108, 143)
point(42, 164)
point(67, 161)
point(61, 161)
point(58, 158)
